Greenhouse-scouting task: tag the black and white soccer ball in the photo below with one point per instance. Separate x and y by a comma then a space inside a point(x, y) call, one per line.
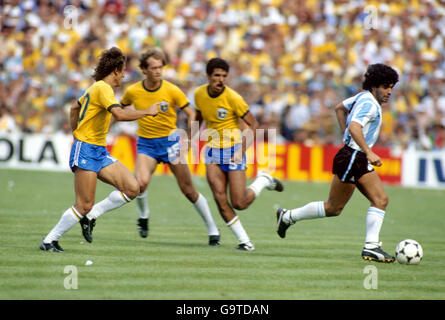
point(409, 251)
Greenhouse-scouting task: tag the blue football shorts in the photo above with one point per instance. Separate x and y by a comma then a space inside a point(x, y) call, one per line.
point(223, 157)
point(164, 149)
point(89, 156)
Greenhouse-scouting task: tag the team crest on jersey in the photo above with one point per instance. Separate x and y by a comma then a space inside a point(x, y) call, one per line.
point(222, 113)
point(164, 106)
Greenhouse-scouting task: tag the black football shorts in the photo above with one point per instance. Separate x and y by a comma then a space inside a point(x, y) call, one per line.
point(350, 165)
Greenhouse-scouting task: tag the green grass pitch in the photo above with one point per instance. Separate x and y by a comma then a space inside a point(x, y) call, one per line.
point(319, 259)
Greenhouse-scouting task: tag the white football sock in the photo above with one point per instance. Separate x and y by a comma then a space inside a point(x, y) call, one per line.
point(238, 230)
point(142, 205)
point(259, 184)
point(202, 207)
point(312, 210)
point(115, 200)
point(69, 219)
point(374, 220)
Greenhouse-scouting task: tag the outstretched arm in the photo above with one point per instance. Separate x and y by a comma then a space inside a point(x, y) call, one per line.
point(123, 106)
point(130, 114)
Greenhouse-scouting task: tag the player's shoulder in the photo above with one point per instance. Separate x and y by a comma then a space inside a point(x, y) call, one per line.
point(361, 99)
point(201, 89)
point(170, 85)
point(201, 93)
point(366, 99)
point(133, 87)
point(101, 85)
point(232, 94)
point(98, 87)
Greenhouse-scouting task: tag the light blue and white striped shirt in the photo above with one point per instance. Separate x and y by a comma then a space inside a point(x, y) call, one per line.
point(364, 109)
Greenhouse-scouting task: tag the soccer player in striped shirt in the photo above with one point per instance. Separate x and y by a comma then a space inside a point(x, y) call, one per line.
point(89, 158)
point(360, 118)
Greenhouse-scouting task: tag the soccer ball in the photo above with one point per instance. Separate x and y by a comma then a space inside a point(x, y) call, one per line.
point(409, 252)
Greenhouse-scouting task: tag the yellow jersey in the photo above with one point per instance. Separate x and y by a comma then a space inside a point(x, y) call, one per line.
point(222, 115)
point(94, 116)
point(165, 121)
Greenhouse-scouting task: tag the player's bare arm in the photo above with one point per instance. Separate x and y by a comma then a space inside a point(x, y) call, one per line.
point(341, 113)
point(113, 119)
point(356, 132)
point(130, 114)
point(191, 116)
point(74, 115)
point(249, 123)
point(198, 118)
point(249, 120)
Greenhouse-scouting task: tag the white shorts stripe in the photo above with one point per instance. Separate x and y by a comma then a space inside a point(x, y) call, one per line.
point(77, 152)
point(350, 165)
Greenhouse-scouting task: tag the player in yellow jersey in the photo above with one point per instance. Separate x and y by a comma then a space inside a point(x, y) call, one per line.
point(158, 141)
point(89, 159)
point(223, 109)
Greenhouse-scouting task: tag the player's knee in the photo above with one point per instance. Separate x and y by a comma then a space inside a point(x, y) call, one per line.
point(132, 190)
point(381, 202)
point(239, 204)
point(220, 197)
point(333, 211)
point(143, 183)
point(189, 192)
point(84, 207)
point(191, 195)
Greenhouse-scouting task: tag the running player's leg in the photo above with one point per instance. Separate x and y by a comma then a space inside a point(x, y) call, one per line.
point(218, 180)
point(265, 180)
point(184, 178)
point(144, 168)
point(339, 195)
point(117, 175)
point(342, 188)
point(148, 156)
point(240, 196)
point(371, 187)
point(85, 188)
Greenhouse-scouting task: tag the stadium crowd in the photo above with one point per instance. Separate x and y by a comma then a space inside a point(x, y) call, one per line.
point(292, 61)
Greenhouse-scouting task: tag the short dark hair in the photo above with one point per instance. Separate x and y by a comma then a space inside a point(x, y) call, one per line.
point(155, 53)
point(379, 74)
point(217, 63)
point(110, 60)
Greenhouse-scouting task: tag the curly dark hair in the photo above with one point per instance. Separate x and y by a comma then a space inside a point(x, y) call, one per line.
point(110, 60)
point(217, 63)
point(156, 54)
point(379, 74)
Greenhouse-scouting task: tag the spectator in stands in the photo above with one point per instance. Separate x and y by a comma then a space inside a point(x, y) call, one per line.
point(7, 123)
point(271, 45)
